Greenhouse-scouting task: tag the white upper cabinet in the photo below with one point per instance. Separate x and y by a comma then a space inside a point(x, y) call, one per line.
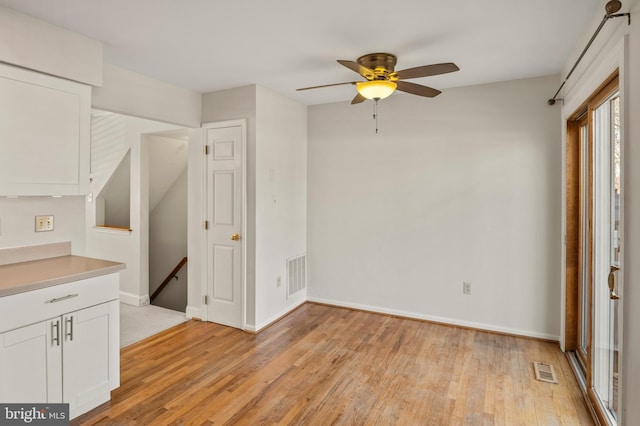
point(44, 134)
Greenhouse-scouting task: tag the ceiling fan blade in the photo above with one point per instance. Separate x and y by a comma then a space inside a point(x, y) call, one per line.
point(417, 89)
point(359, 98)
point(427, 70)
point(354, 66)
point(327, 85)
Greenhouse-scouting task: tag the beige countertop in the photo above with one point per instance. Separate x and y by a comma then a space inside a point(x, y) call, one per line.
point(32, 275)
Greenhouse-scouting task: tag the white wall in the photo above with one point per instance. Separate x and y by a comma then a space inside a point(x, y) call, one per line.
point(463, 187)
point(130, 93)
point(41, 46)
point(114, 201)
point(618, 45)
point(17, 221)
point(167, 161)
point(281, 193)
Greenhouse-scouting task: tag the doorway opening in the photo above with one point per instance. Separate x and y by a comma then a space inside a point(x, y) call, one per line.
point(167, 168)
point(136, 210)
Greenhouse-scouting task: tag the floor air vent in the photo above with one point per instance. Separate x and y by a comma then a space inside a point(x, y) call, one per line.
point(296, 274)
point(545, 372)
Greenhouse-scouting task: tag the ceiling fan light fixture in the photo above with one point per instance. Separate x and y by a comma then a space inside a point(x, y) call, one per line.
point(376, 89)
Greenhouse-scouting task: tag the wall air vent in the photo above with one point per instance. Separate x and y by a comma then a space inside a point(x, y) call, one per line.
point(296, 274)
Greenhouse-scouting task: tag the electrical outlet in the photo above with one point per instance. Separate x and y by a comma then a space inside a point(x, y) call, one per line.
point(466, 288)
point(44, 223)
point(278, 281)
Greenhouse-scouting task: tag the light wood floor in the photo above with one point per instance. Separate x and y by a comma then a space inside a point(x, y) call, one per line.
point(323, 365)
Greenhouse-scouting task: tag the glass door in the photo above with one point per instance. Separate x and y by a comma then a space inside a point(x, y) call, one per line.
point(607, 250)
point(594, 249)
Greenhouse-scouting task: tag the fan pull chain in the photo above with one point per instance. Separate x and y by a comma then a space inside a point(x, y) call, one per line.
point(375, 113)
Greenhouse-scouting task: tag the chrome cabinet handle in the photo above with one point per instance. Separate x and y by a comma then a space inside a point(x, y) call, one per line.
point(55, 333)
point(69, 328)
point(60, 299)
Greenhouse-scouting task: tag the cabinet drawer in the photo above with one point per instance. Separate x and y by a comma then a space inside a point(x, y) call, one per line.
point(34, 306)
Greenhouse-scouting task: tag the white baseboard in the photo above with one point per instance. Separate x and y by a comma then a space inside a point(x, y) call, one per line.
point(253, 328)
point(441, 320)
point(193, 312)
point(134, 299)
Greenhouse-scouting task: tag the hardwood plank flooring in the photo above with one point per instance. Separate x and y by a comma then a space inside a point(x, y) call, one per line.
point(323, 365)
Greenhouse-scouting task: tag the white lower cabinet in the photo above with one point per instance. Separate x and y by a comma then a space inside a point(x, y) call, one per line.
point(71, 358)
point(86, 355)
point(31, 363)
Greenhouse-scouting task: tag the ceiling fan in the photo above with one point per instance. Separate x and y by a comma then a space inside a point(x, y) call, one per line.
point(382, 80)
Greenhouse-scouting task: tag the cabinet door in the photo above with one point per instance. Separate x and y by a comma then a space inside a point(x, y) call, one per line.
point(31, 363)
point(45, 131)
point(89, 356)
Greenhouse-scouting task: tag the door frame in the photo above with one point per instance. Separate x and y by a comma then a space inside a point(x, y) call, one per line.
point(242, 123)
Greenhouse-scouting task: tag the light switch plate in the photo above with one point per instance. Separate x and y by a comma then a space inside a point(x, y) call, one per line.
point(44, 223)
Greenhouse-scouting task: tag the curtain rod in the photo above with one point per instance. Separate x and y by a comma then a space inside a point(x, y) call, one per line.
point(610, 8)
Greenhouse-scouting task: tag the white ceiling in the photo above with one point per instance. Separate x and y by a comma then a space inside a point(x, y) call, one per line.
point(209, 45)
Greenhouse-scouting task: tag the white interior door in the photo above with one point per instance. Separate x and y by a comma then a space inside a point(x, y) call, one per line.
point(225, 217)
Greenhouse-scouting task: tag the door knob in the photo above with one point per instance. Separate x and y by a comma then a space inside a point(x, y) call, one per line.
point(612, 283)
point(235, 237)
